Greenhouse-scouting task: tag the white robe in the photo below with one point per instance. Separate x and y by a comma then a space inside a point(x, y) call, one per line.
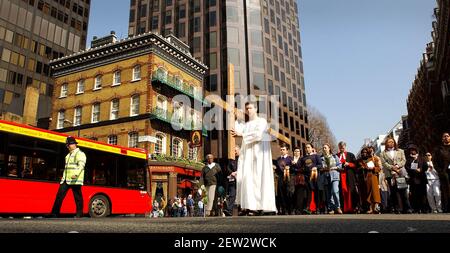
point(255, 182)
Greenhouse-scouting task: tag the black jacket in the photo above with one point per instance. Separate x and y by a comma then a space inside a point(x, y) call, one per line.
point(351, 169)
point(414, 176)
point(441, 159)
point(232, 166)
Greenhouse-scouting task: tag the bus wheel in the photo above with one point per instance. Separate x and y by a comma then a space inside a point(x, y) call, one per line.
point(99, 207)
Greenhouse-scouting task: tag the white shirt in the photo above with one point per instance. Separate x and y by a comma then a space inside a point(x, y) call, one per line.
point(391, 153)
point(211, 165)
point(431, 175)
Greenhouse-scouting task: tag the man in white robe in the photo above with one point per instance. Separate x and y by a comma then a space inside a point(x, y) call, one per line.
point(255, 181)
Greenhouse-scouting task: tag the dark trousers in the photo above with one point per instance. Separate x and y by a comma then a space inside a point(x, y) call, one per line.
point(445, 191)
point(419, 197)
point(62, 191)
point(302, 197)
point(282, 200)
point(399, 199)
point(356, 200)
point(231, 196)
point(403, 200)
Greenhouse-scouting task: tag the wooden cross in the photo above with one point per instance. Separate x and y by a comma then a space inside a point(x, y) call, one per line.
point(235, 111)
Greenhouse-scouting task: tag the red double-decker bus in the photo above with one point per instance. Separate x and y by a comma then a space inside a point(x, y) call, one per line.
point(32, 163)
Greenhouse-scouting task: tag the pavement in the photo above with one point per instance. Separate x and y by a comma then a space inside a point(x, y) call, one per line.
point(381, 223)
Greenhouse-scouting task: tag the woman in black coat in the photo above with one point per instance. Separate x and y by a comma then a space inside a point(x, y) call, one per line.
point(416, 168)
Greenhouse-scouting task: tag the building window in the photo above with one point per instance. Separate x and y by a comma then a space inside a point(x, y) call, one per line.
point(112, 139)
point(77, 116)
point(284, 99)
point(137, 73)
point(196, 44)
point(64, 88)
point(269, 66)
point(98, 82)
point(212, 61)
point(258, 59)
point(211, 83)
point(258, 81)
point(232, 14)
point(254, 17)
point(160, 145)
point(161, 104)
point(168, 17)
point(197, 24)
point(181, 31)
point(178, 81)
point(143, 11)
point(178, 112)
point(80, 86)
point(193, 154)
point(212, 40)
point(116, 78)
point(155, 22)
point(134, 107)
point(212, 18)
point(133, 140)
point(256, 38)
point(270, 86)
point(197, 6)
point(182, 12)
point(61, 118)
point(177, 147)
point(95, 113)
point(114, 109)
point(161, 73)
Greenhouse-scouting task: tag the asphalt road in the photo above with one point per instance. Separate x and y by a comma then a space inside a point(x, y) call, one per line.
point(383, 223)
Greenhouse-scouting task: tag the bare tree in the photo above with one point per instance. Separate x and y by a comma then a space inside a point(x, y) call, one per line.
point(319, 131)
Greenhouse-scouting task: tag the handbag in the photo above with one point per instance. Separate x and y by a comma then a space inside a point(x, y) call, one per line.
point(401, 183)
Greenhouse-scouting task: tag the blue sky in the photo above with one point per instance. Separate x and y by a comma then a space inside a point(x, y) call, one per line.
point(360, 57)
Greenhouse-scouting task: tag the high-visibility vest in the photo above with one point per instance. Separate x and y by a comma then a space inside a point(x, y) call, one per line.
point(75, 162)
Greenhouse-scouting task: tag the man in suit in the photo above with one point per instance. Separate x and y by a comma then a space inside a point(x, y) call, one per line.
point(283, 170)
point(441, 160)
point(349, 190)
point(211, 175)
point(393, 161)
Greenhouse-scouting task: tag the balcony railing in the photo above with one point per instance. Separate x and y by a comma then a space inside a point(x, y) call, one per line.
point(166, 117)
point(181, 87)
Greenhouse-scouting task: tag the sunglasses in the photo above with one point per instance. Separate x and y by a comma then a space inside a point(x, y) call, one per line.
point(428, 154)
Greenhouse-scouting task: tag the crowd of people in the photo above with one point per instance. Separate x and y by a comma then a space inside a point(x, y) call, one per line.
point(178, 207)
point(324, 182)
point(395, 181)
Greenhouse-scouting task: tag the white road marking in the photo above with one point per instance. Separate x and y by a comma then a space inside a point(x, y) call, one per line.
point(411, 229)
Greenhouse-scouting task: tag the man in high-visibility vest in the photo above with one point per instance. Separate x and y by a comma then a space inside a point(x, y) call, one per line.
point(72, 178)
